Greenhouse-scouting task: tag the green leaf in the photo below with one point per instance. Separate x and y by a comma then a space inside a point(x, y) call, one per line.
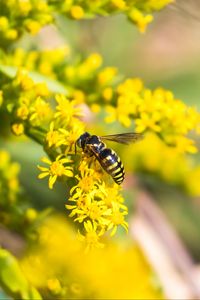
point(53, 85)
point(13, 280)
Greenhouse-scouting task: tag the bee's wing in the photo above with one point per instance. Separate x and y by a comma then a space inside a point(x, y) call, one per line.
point(123, 138)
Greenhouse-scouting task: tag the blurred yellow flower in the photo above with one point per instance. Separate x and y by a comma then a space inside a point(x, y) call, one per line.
point(77, 12)
point(17, 128)
point(40, 111)
point(140, 19)
point(99, 273)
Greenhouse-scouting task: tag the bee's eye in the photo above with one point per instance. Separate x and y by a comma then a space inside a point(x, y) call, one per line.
point(79, 144)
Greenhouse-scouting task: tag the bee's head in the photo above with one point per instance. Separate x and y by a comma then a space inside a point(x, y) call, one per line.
point(82, 139)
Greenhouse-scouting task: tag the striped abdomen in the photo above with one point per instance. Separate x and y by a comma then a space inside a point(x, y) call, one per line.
point(112, 164)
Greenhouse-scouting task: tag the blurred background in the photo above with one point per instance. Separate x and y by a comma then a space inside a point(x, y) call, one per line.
point(167, 55)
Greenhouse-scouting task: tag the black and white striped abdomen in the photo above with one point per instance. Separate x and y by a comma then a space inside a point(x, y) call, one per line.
point(112, 164)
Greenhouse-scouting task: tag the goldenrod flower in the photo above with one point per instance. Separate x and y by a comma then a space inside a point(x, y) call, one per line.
point(24, 80)
point(148, 121)
point(92, 199)
point(93, 61)
point(70, 135)
point(40, 111)
point(11, 34)
point(117, 218)
point(22, 112)
point(120, 113)
point(31, 214)
point(106, 76)
point(54, 138)
point(107, 94)
point(120, 4)
point(66, 109)
point(54, 286)
point(4, 23)
point(140, 19)
point(91, 237)
point(17, 128)
point(32, 26)
point(77, 12)
point(87, 179)
point(57, 169)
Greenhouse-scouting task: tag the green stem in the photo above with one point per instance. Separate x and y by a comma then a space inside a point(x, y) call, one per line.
point(37, 134)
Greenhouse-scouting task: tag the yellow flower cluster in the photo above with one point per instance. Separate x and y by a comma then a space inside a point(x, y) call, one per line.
point(95, 203)
point(14, 211)
point(9, 179)
point(57, 125)
point(29, 107)
point(92, 204)
point(77, 275)
point(137, 11)
point(19, 15)
point(46, 62)
point(16, 16)
point(152, 110)
point(156, 111)
point(152, 156)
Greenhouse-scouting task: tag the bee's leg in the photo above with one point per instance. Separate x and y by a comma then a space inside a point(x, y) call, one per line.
point(88, 153)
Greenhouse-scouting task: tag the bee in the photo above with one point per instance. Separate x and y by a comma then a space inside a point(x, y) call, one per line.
point(93, 145)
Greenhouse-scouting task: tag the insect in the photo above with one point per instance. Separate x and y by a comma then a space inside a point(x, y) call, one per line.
point(93, 145)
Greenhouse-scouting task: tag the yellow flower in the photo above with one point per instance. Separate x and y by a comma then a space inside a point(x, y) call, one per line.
point(31, 214)
point(93, 61)
point(95, 108)
point(4, 159)
point(32, 26)
point(92, 199)
point(70, 135)
point(66, 109)
point(40, 111)
point(41, 89)
point(24, 7)
point(121, 113)
point(17, 128)
point(57, 169)
point(129, 86)
point(140, 19)
point(11, 34)
point(54, 137)
point(117, 218)
point(106, 76)
point(91, 237)
point(184, 144)
point(107, 94)
point(79, 96)
point(23, 112)
point(4, 23)
point(148, 121)
point(77, 12)
point(22, 79)
point(87, 207)
point(54, 286)
point(120, 4)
